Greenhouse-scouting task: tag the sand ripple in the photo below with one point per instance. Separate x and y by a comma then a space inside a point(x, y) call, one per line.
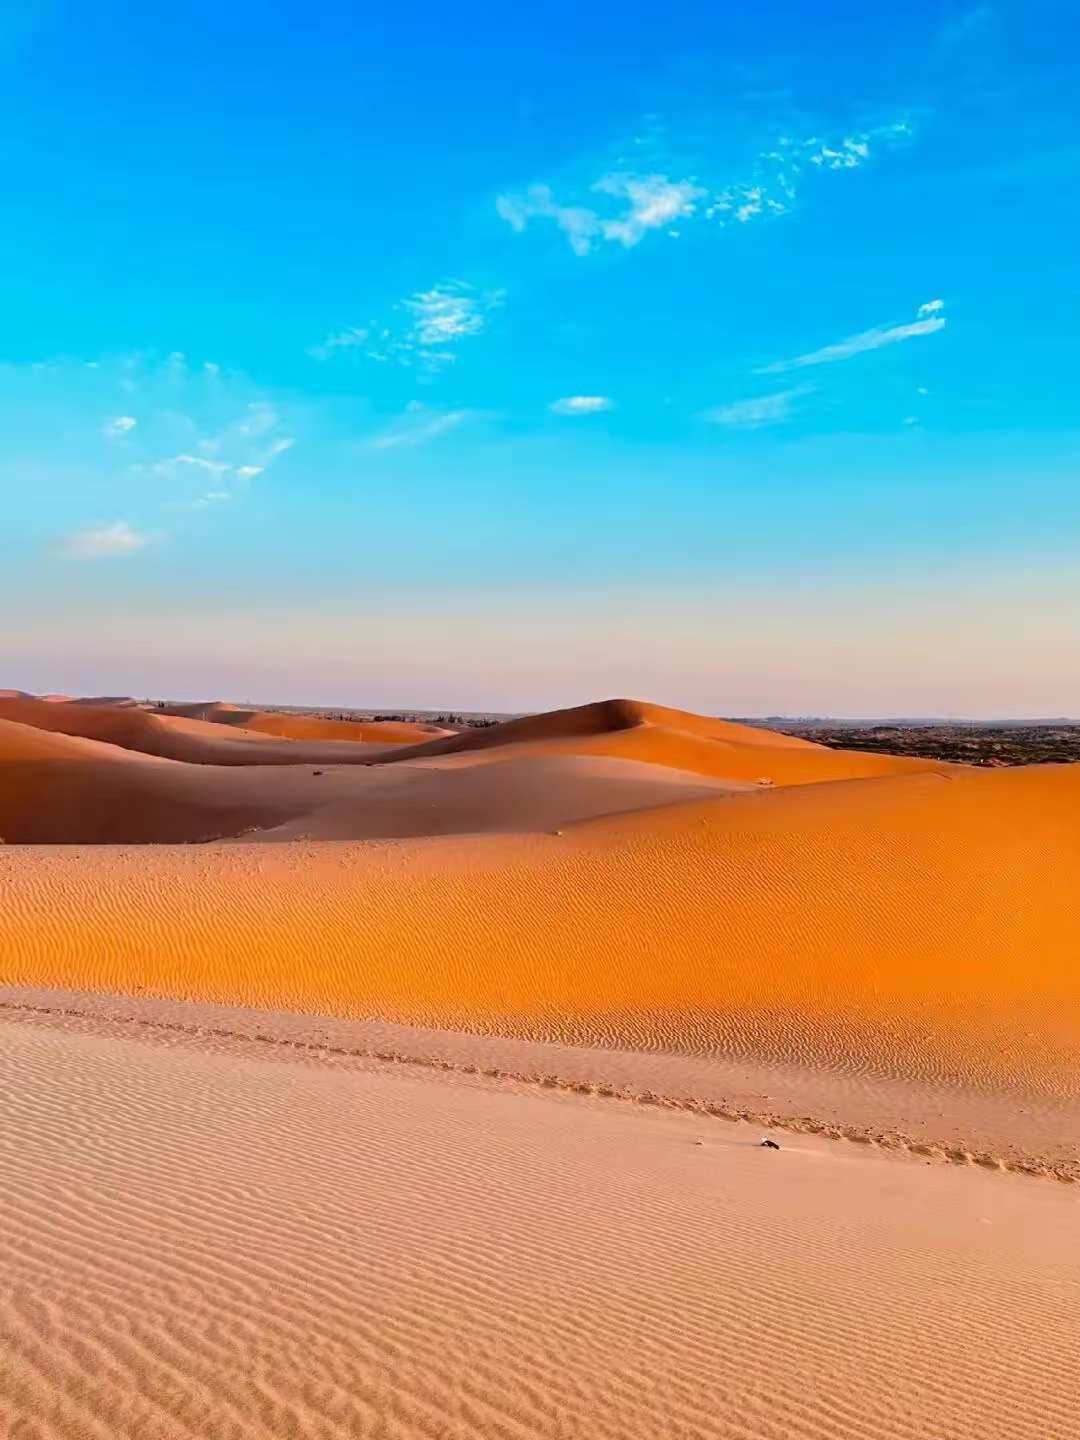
point(199, 1243)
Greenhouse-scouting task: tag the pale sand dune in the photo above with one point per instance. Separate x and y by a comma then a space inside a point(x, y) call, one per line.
point(914, 926)
point(198, 1238)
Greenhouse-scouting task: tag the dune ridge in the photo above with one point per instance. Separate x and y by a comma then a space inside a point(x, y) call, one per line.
point(194, 742)
point(633, 730)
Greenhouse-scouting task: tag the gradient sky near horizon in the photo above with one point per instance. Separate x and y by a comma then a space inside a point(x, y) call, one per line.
point(437, 355)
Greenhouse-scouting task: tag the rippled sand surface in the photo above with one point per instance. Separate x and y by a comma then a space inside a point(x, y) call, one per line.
point(206, 1236)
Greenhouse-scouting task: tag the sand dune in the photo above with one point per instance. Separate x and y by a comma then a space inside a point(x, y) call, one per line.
point(63, 789)
point(630, 730)
point(307, 727)
point(199, 1238)
point(228, 1224)
point(909, 925)
point(195, 742)
point(379, 732)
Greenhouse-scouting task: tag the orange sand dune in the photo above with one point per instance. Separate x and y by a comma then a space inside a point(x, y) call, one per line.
point(206, 1238)
point(379, 732)
point(194, 741)
point(912, 925)
point(64, 789)
point(307, 727)
point(630, 730)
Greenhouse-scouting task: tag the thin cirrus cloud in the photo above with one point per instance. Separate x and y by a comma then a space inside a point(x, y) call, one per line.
point(432, 324)
point(104, 542)
point(581, 405)
point(623, 206)
point(758, 413)
point(121, 425)
point(929, 320)
point(419, 426)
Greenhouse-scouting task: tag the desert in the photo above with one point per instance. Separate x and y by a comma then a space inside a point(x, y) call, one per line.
point(389, 1078)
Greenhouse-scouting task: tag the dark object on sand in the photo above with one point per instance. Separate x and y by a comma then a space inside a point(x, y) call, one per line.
point(770, 1144)
point(316, 772)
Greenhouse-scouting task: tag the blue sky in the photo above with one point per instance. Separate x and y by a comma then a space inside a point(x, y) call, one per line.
point(720, 355)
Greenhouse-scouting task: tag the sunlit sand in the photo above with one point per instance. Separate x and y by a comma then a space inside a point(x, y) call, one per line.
point(458, 1189)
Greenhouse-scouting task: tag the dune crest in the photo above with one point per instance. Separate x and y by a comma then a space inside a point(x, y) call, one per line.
point(632, 730)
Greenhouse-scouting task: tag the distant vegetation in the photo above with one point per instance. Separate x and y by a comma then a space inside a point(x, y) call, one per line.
point(990, 745)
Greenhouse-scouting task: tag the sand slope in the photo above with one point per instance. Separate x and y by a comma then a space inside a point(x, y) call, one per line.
point(62, 789)
point(631, 730)
point(909, 925)
point(195, 742)
point(307, 727)
point(204, 1240)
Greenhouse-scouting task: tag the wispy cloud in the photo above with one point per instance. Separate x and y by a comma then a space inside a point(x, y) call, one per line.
point(875, 339)
point(228, 458)
point(659, 201)
point(121, 425)
point(213, 467)
point(757, 413)
point(650, 202)
point(343, 340)
point(428, 327)
point(418, 426)
point(104, 542)
point(581, 404)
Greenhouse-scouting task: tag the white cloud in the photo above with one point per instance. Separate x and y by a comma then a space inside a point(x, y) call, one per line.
point(757, 413)
point(234, 455)
point(445, 314)
point(655, 201)
point(213, 467)
point(581, 404)
point(932, 307)
point(580, 225)
point(121, 425)
point(858, 344)
point(650, 203)
point(104, 542)
point(436, 321)
point(424, 425)
point(286, 442)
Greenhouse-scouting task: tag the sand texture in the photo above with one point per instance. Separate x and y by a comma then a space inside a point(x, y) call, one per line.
point(360, 1080)
point(207, 1237)
point(919, 922)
